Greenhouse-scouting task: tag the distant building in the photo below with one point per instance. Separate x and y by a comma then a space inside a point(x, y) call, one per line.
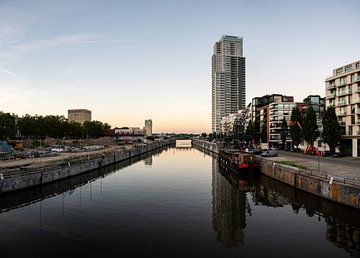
point(268, 111)
point(228, 79)
point(227, 123)
point(148, 127)
point(234, 124)
point(79, 115)
point(343, 92)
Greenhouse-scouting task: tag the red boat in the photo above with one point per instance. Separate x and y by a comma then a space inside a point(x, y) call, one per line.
point(237, 160)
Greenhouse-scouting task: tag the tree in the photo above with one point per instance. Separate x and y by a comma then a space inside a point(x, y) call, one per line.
point(263, 135)
point(296, 133)
point(7, 126)
point(284, 131)
point(310, 127)
point(93, 129)
point(256, 132)
point(250, 131)
point(331, 133)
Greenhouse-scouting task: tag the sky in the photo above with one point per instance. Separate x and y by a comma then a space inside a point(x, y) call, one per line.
point(128, 61)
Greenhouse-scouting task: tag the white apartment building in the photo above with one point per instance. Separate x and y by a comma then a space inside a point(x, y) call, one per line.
point(277, 112)
point(343, 92)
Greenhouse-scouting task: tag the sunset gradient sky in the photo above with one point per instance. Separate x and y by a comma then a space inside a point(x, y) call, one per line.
point(128, 61)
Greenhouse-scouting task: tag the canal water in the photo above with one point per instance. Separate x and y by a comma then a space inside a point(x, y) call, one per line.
point(173, 203)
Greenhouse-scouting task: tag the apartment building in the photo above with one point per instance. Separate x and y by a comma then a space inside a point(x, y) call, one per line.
point(343, 92)
point(228, 79)
point(269, 111)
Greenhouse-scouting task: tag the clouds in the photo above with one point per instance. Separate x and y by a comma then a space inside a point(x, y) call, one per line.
point(57, 41)
point(7, 72)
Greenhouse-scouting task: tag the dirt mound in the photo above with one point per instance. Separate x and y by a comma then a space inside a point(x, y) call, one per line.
point(49, 142)
point(106, 141)
point(27, 143)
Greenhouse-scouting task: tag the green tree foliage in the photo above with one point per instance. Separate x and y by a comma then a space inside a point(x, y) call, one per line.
point(296, 133)
point(331, 133)
point(249, 132)
point(256, 132)
point(7, 126)
point(37, 127)
point(284, 131)
point(93, 129)
point(310, 127)
point(211, 137)
point(263, 135)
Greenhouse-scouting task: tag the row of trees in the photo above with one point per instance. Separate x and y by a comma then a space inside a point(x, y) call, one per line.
point(306, 128)
point(37, 127)
point(303, 126)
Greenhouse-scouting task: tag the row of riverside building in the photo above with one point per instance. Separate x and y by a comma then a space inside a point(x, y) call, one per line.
point(230, 116)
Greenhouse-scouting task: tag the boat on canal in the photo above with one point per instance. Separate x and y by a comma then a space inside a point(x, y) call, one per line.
point(240, 162)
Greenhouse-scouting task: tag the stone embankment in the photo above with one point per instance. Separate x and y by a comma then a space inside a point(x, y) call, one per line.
point(205, 145)
point(342, 190)
point(34, 177)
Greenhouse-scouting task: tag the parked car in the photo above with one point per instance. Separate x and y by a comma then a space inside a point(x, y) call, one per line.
point(270, 153)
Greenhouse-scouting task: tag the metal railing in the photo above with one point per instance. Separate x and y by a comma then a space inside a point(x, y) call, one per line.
point(315, 173)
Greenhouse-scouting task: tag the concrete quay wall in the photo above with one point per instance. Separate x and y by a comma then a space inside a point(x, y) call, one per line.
point(35, 178)
point(205, 145)
point(308, 181)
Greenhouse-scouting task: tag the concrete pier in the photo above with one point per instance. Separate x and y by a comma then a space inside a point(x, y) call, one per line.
point(30, 178)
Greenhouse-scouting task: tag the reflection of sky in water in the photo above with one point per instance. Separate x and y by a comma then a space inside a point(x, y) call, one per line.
point(176, 203)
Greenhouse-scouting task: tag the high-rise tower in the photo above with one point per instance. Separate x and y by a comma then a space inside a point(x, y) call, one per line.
point(228, 79)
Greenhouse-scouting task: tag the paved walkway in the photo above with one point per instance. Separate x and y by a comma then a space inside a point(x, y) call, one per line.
point(341, 167)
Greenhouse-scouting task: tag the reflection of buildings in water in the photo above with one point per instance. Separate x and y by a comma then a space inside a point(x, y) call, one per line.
point(229, 205)
point(344, 236)
point(148, 161)
point(343, 227)
point(269, 197)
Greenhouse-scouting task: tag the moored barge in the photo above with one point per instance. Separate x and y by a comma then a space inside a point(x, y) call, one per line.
point(239, 161)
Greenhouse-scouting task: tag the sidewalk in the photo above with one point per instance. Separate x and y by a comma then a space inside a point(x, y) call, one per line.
point(339, 167)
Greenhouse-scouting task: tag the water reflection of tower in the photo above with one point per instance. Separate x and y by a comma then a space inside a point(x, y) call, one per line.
point(148, 161)
point(344, 236)
point(229, 205)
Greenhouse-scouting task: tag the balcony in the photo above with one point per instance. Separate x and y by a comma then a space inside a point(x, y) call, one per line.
point(341, 113)
point(342, 103)
point(331, 96)
point(342, 84)
point(331, 86)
